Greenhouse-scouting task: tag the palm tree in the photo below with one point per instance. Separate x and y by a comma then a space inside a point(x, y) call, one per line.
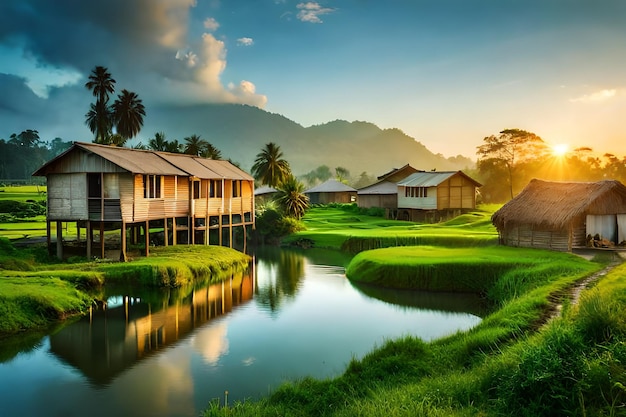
point(194, 145)
point(128, 111)
point(269, 168)
point(99, 117)
point(173, 146)
point(291, 197)
point(211, 152)
point(101, 84)
point(158, 143)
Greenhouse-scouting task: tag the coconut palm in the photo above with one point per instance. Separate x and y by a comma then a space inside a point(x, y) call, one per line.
point(158, 143)
point(99, 117)
point(128, 112)
point(291, 197)
point(269, 166)
point(211, 152)
point(194, 145)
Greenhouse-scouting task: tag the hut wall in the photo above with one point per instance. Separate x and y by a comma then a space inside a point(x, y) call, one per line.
point(387, 201)
point(67, 197)
point(457, 192)
point(422, 203)
point(525, 236)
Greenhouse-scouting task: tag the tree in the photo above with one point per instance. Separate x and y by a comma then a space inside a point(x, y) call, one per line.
point(269, 166)
point(342, 174)
point(291, 197)
point(505, 154)
point(194, 145)
point(158, 143)
point(128, 113)
point(211, 152)
point(99, 118)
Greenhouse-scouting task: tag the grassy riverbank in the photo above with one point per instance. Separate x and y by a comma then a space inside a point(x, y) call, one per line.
point(522, 359)
point(36, 291)
point(344, 227)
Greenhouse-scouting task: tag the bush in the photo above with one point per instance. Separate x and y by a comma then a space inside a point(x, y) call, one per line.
point(271, 225)
point(12, 210)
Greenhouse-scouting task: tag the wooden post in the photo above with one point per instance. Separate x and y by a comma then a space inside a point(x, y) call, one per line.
point(101, 240)
point(174, 232)
point(165, 232)
point(89, 233)
point(48, 237)
point(59, 240)
point(147, 237)
point(123, 243)
point(77, 232)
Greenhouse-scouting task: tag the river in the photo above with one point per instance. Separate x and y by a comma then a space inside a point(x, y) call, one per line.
point(167, 353)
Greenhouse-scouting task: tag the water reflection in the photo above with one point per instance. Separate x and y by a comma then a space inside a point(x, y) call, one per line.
point(128, 328)
point(427, 300)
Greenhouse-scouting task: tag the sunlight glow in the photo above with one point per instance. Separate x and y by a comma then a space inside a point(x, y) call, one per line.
point(560, 150)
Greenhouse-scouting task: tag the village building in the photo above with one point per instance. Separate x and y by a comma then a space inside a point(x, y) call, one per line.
point(564, 215)
point(331, 191)
point(432, 196)
point(264, 194)
point(384, 193)
point(189, 199)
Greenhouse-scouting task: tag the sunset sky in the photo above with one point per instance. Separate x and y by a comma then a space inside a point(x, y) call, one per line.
point(446, 72)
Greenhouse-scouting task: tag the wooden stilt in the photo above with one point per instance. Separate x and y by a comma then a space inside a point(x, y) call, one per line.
point(59, 240)
point(147, 238)
point(101, 240)
point(165, 232)
point(89, 236)
point(123, 257)
point(48, 237)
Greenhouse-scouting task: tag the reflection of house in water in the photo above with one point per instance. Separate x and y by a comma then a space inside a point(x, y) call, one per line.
point(108, 342)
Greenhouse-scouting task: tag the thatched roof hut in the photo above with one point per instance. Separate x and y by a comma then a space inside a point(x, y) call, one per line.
point(561, 215)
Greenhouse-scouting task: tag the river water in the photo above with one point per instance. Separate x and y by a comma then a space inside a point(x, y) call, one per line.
point(169, 352)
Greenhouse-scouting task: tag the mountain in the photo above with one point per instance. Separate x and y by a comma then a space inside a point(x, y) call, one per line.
point(240, 131)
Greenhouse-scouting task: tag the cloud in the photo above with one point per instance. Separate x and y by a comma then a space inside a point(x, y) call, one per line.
point(311, 12)
point(148, 48)
point(595, 97)
point(211, 24)
point(245, 41)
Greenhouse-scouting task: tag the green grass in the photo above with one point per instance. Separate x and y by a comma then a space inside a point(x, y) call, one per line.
point(23, 192)
point(342, 227)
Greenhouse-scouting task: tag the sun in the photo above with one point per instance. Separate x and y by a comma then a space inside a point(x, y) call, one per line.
point(560, 150)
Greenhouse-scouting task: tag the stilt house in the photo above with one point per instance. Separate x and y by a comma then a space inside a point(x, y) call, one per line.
point(562, 215)
point(192, 200)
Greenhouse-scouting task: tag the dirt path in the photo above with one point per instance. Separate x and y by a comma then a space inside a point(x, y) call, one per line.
point(575, 291)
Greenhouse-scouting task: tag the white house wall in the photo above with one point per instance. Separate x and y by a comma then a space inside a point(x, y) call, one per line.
point(421, 203)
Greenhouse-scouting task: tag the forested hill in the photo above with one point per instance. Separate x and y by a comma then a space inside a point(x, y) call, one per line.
point(240, 132)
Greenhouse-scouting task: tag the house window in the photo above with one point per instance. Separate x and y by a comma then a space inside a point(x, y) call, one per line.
point(236, 188)
point(416, 192)
point(196, 190)
point(216, 189)
point(152, 186)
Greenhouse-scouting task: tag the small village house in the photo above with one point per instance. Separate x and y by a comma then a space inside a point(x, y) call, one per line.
point(384, 193)
point(434, 196)
point(192, 200)
point(564, 215)
point(331, 191)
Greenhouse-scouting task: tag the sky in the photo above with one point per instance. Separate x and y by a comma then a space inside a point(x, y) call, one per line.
point(446, 72)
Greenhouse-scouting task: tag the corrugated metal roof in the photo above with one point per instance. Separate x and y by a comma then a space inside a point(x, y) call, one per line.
point(264, 190)
point(138, 161)
point(426, 179)
point(331, 186)
point(133, 160)
point(381, 187)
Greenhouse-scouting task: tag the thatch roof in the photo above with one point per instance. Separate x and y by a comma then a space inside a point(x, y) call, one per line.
point(331, 186)
point(554, 205)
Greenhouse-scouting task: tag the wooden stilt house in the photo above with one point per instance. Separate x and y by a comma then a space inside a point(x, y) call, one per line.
point(189, 199)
